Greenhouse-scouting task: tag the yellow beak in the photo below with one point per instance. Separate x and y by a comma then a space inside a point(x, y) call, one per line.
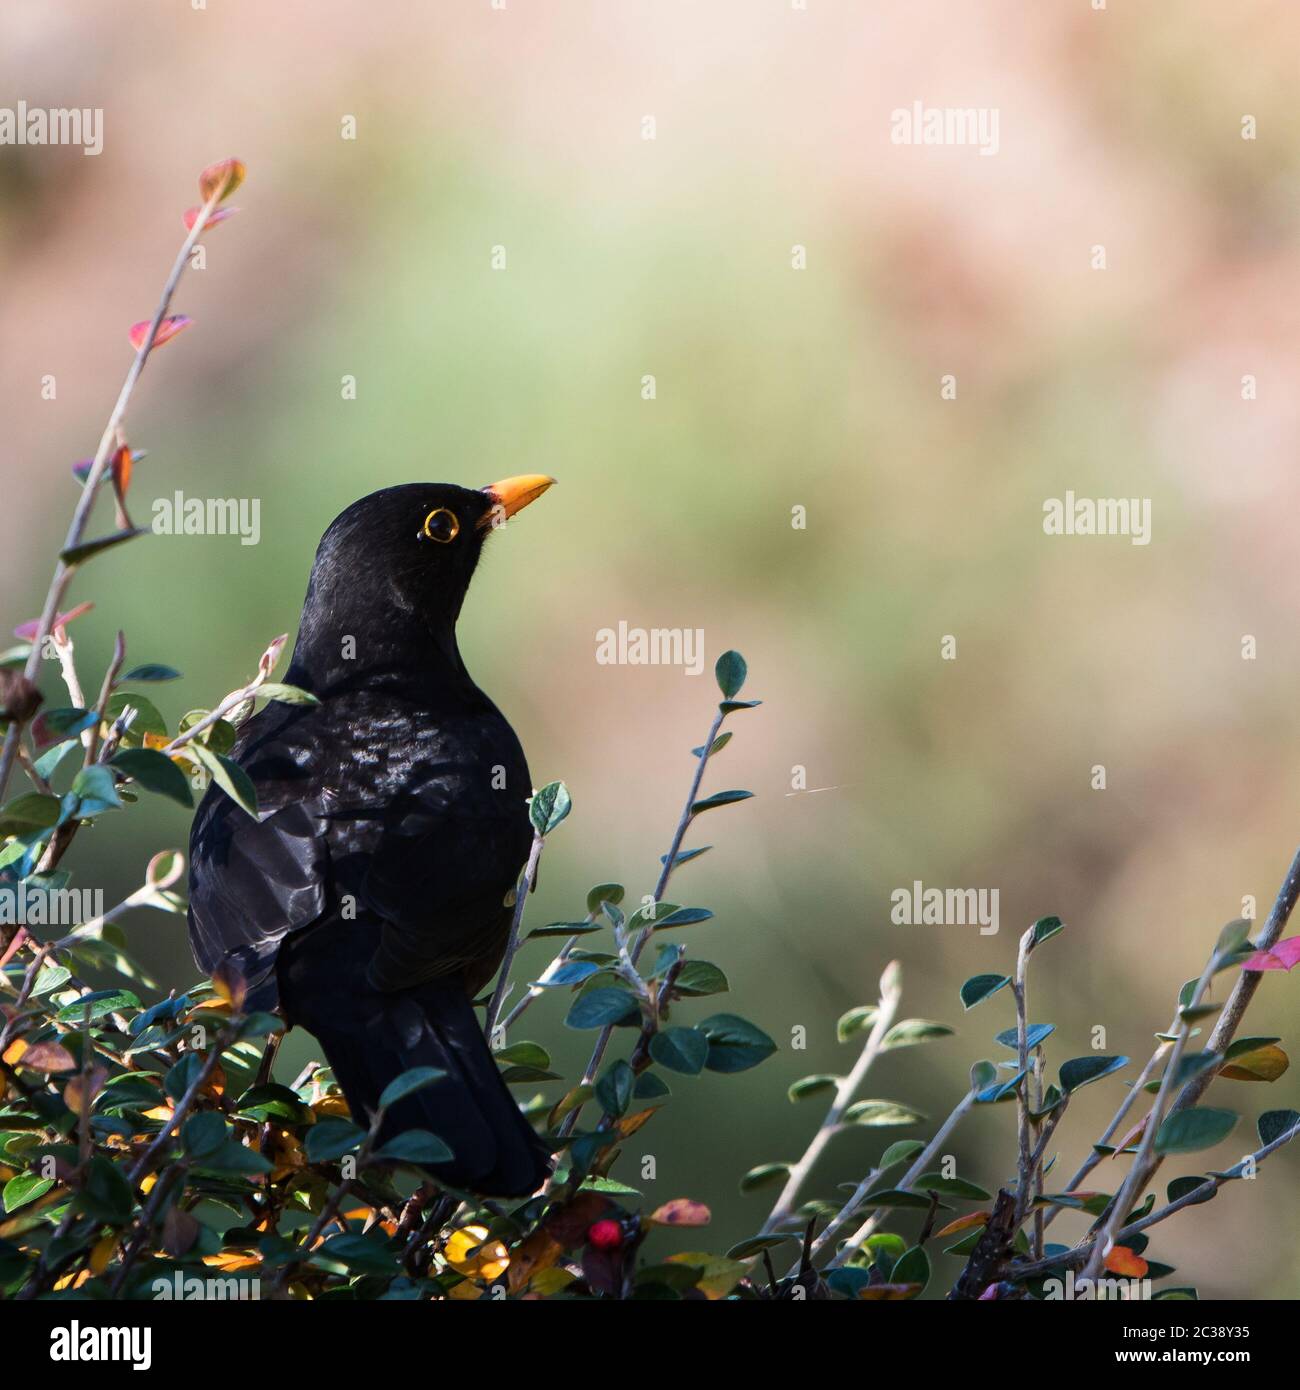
point(512, 495)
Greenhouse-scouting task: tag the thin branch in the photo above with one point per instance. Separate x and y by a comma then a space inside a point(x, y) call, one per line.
point(922, 1162)
point(512, 944)
point(670, 863)
point(63, 571)
point(890, 993)
point(1073, 1259)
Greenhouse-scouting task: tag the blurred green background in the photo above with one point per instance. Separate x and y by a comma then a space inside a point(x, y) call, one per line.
point(522, 127)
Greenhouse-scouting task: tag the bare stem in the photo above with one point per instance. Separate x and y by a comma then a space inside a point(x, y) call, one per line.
point(512, 944)
point(64, 570)
point(890, 994)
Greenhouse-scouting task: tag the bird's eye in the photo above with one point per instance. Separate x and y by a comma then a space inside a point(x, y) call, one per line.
point(441, 525)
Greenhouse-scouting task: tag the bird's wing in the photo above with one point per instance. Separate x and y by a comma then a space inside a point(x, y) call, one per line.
point(452, 847)
point(253, 880)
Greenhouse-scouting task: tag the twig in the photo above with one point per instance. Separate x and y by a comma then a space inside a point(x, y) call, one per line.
point(1139, 1174)
point(64, 570)
point(921, 1163)
point(670, 862)
point(890, 993)
point(1074, 1258)
point(512, 944)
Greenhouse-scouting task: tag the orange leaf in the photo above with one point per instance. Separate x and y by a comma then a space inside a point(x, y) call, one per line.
point(629, 1124)
point(964, 1223)
point(888, 1293)
point(1122, 1260)
point(220, 180)
point(79, 1094)
point(13, 1053)
point(530, 1257)
point(681, 1211)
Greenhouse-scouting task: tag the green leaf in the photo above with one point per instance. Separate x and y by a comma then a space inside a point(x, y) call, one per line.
point(735, 1044)
point(95, 791)
point(900, 1151)
point(950, 1187)
point(26, 1187)
point(857, 1020)
point(78, 553)
point(332, 1138)
point(100, 1003)
point(286, 694)
point(813, 1085)
point(1046, 928)
point(979, 987)
point(204, 1134)
point(362, 1254)
point(686, 855)
point(150, 671)
point(719, 799)
point(1189, 1131)
point(273, 1102)
point(755, 1245)
point(415, 1146)
point(731, 706)
point(228, 775)
point(701, 977)
point(765, 1175)
point(601, 1007)
point(683, 917)
point(730, 671)
point(525, 1054)
point(1274, 1123)
point(549, 807)
point(682, 1050)
point(650, 1086)
point(912, 1268)
point(565, 929)
point(604, 893)
point(155, 772)
point(1035, 1034)
point(29, 812)
point(65, 722)
point(410, 1081)
point(716, 746)
point(913, 1031)
point(147, 719)
point(1180, 1187)
point(1002, 1090)
point(875, 1113)
point(105, 1193)
point(897, 1197)
point(614, 1089)
point(1079, 1071)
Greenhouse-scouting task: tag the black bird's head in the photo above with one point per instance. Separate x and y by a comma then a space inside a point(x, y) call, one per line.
point(389, 579)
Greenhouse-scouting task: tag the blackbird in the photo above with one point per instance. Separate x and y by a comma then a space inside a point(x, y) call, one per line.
point(371, 897)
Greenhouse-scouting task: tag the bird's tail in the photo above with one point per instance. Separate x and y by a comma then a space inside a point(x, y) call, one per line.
point(371, 1036)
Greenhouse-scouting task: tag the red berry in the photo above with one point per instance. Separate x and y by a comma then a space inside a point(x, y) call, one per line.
point(605, 1235)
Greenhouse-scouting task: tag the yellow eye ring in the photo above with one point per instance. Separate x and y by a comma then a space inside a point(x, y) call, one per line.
point(450, 535)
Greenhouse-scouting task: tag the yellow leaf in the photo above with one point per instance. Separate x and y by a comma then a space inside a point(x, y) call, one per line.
point(468, 1251)
point(1261, 1064)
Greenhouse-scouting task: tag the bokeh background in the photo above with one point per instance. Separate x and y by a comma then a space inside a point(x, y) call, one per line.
point(776, 388)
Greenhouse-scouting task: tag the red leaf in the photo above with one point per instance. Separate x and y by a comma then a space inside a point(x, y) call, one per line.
point(220, 180)
point(1122, 1260)
point(1284, 956)
point(167, 329)
point(681, 1211)
point(29, 630)
point(218, 215)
